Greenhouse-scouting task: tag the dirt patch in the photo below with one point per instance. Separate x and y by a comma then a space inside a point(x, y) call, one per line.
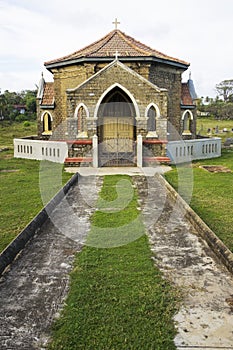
point(216, 168)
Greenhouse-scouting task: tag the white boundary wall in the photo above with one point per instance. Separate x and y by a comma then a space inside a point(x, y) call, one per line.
point(54, 151)
point(178, 151)
point(187, 150)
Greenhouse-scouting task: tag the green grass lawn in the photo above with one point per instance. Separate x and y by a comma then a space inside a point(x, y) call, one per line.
point(117, 298)
point(10, 131)
point(212, 197)
point(20, 198)
point(203, 124)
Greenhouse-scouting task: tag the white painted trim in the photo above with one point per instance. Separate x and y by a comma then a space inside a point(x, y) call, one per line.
point(85, 108)
point(189, 112)
point(42, 116)
point(122, 88)
point(158, 115)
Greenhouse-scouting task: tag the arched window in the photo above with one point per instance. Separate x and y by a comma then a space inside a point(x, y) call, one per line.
point(47, 123)
point(81, 113)
point(187, 119)
point(152, 114)
point(81, 121)
point(151, 121)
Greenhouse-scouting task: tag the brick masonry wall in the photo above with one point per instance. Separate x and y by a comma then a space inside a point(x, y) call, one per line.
point(72, 76)
point(143, 93)
point(170, 79)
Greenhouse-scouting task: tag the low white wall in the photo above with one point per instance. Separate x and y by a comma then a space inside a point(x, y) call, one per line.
point(187, 150)
point(54, 151)
point(178, 151)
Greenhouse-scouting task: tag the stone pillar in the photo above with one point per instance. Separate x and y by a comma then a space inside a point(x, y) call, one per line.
point(139, 151)
point(95, 151)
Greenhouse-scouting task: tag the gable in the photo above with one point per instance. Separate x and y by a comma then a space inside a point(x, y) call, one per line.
point(139, 90)
point(117, 72)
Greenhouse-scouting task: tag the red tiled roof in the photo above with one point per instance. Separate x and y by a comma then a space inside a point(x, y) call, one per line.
point(116, 41)
point(48, 95)
point(186, 98)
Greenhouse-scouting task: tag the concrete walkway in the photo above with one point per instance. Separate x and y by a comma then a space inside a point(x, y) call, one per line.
point(205, 320)
point(147, 171)
point(33, 290)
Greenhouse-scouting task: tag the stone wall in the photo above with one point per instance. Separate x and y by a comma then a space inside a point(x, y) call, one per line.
point(170, 79)
point(72, 76)
point(142, 93)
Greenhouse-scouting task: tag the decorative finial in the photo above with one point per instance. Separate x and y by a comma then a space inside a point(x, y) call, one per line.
point(116, 55)
point(116, 23)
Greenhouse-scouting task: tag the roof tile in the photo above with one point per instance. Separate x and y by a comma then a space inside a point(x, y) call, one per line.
point(48, 95)
point(186, 98)
point(116, 42)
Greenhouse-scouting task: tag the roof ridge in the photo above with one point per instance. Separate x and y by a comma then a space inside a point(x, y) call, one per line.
point(84, 48)
point(125, 37)
point(116, 39)
point(148, 48)
point(104, 40)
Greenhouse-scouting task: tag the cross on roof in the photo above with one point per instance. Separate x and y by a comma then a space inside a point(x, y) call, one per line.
point(116, 23)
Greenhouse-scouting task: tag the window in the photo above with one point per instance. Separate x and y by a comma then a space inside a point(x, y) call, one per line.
point(152, 114)
point(47, 124)
point(151, 122)
point(187, 119)
point(81, 113)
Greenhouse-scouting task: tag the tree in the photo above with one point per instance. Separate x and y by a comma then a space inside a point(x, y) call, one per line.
point(225, 89)
point(10, 100)
point(2, 106)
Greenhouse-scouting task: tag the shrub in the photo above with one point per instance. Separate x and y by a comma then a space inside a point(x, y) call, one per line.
point(26, 124)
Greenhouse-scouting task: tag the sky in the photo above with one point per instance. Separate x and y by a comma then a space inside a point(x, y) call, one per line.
point(197, 31)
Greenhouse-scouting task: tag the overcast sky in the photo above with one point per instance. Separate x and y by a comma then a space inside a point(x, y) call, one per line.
point(197, 31)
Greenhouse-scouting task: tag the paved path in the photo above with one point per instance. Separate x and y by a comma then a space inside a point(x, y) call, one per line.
point(205, 321)
point(33, 291)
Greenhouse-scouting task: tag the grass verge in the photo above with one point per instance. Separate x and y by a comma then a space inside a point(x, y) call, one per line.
point(212, 197)
point(117, 298)
point(20, 183)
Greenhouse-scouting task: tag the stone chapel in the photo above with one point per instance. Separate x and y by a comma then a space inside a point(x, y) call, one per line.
point(115, 90)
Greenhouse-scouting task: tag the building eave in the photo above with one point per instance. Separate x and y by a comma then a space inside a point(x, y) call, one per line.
point(106, 59)
point(187, 106)
point(47, 106)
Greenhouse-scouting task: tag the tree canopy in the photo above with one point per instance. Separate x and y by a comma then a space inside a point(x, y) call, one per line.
point(18, 106)
point(225, 90)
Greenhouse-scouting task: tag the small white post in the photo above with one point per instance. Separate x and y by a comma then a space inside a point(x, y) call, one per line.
point(139, 151)
point(95, 151)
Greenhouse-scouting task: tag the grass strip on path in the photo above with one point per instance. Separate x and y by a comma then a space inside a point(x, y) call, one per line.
point(118, 299)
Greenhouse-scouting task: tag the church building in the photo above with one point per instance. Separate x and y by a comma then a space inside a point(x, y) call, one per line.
point(114, 91)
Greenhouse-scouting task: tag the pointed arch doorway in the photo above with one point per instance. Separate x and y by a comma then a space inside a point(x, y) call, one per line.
point(116, 129)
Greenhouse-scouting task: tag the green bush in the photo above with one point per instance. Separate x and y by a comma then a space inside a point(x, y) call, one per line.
point(26, 124)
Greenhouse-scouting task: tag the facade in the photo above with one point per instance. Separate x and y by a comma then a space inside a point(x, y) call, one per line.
point(116, 88)
point(115, 101)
